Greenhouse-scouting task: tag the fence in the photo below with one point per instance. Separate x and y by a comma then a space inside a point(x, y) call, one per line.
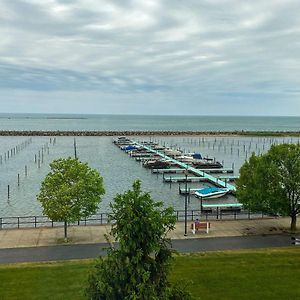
point(102, 218)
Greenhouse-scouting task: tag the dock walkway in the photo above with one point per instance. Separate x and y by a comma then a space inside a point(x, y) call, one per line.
point(200, 173)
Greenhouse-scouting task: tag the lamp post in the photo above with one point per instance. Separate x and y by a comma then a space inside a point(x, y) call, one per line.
point(201, 207)
point(185, 203)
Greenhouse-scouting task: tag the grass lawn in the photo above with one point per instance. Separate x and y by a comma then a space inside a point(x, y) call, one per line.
point(249, 274)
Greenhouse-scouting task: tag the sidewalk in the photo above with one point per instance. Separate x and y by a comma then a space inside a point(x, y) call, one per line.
point(32, 237)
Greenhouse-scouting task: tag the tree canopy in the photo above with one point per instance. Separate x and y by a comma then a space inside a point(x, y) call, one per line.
point(71, 191)
point(271, 182)
point(138, 268)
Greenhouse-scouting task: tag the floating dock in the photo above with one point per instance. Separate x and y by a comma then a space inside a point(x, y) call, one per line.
point(184, 179)
point(222, 206)
point(228, 177)
point(167, 171)
point(221, 170)
point(200, 173)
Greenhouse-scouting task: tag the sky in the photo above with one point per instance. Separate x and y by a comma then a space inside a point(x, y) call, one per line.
point(166, 57)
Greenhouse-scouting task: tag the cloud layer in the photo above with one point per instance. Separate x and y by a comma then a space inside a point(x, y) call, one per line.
point(150, 56)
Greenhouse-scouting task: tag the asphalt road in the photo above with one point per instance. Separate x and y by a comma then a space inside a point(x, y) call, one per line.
point(66, 252)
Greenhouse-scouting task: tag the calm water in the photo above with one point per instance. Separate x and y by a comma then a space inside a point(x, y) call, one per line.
point(117, 168)
point(127, 122)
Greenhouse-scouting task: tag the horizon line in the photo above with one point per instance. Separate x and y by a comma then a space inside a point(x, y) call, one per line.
point(148, 115)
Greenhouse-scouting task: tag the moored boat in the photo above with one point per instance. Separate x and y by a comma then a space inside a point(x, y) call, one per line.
point(211, 192)
point(156, 164)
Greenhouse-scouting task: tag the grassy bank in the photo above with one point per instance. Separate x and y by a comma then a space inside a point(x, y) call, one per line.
point(257, 274)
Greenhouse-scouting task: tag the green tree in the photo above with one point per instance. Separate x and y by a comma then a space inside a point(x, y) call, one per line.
point(271, 182)
point(138, 269)
point(71, 191)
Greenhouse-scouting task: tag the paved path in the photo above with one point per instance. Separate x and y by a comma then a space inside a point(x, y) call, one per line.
point(65, 252)
point(36, 237)
point(42, 244)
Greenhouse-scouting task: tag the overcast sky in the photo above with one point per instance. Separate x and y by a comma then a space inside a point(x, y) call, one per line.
point(150, 57)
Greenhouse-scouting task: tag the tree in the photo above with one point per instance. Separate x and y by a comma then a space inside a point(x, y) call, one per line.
point(271, 182)
point(71, 191)
point(138, 269)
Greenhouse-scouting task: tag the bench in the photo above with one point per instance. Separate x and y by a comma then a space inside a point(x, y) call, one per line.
point(200, 225)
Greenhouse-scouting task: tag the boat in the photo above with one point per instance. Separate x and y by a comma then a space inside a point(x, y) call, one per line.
point(171, 152)
point(129, 148)
point(186, 159)
point(206, 164)
point(156, 164)
point(211, 192)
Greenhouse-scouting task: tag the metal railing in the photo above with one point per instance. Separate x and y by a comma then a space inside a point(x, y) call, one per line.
point(102, 218)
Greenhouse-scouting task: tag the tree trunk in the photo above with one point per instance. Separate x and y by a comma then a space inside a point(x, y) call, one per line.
point(293, 223)
point(66, 231)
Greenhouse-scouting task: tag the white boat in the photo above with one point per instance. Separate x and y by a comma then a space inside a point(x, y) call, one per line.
point(171, 152)
point(211, 192)
point(185, 159)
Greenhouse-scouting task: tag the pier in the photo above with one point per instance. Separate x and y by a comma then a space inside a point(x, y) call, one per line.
point(200, 173)
point(184, 179)
point(228, 177)
point(167, 171)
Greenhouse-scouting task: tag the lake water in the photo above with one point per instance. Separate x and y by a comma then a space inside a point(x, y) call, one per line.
point(151, 123)
point(118, 169)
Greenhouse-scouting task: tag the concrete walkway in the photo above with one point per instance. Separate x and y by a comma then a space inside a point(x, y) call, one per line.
point(33, 237)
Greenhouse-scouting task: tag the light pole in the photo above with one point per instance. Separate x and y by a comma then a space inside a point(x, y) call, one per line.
point(185, 203)
point(201, 208)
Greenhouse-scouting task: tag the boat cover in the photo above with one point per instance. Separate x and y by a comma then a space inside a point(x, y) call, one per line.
point(197, 156)
point(129, 148)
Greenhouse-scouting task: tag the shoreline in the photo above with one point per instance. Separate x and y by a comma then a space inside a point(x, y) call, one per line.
point(148, 133)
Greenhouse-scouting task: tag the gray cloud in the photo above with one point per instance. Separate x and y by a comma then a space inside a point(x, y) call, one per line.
point(151, 56)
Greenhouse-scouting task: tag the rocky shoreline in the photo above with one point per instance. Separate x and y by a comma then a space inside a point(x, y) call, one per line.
point(148, 133)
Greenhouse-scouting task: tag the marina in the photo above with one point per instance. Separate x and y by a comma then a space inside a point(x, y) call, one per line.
point(24, 170)
point(185, 162)
point(199, 172)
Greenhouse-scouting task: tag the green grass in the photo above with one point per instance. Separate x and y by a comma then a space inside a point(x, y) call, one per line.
point(252, 274)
